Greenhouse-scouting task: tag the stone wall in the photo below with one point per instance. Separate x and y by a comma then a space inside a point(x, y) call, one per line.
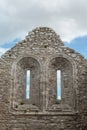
point(43, 53)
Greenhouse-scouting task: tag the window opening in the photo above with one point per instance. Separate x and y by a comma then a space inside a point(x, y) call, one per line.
point(59, 84)
point(28, 84)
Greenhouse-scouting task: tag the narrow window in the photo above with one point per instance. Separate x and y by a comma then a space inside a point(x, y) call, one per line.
point(28, 84)
point(59, 84)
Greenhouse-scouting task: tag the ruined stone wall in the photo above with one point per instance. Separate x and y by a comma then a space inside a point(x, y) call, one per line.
point(43, 53)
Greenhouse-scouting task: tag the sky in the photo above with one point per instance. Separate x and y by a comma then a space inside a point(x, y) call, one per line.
point(67, 17)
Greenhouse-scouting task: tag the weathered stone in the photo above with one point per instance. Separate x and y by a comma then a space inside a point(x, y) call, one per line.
point(43, 53)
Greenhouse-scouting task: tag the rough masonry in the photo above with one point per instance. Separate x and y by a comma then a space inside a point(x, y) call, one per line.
point(43, 53)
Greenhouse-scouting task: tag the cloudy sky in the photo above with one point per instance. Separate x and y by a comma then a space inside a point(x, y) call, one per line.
point(67, 17)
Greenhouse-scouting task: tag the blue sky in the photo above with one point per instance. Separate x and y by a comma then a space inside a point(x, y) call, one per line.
point(79, 44)
point(66, 17)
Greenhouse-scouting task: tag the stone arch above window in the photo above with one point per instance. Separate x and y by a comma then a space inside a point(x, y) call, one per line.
point(19, 99)
point(67, 102)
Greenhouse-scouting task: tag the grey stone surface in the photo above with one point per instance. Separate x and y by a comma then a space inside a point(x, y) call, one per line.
point(43, 53)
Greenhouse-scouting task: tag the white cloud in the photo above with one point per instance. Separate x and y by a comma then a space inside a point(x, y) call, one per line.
point(66, 17)
point(2, 51)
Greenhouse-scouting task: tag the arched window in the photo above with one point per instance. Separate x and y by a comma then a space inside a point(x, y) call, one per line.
point(26, 83)
point(60, 87)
